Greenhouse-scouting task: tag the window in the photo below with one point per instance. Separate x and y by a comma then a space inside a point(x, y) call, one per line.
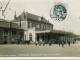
point(21, 34)
point(5, 32)
point(51, 27)
point(13, 32)
point(29, 24)
point(44, 27)
point(37, 25)
point(48, 27)
point(33, 25)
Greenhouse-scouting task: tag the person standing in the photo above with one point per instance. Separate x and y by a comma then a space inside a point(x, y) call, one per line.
point(43, 43)
point(69, 43)
point(59, 42)
point(36, 43)
point(62, 43)
point(40, 41)
point(49, 43)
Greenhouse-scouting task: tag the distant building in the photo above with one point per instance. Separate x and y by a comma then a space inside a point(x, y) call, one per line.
point(77, 38)
point(37, 28)
point(9, 32)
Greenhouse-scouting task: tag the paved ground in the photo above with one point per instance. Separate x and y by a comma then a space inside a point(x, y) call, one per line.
point(40, 51)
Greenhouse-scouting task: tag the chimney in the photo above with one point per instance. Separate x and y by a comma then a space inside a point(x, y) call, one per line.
point(42, 17)
point(10, 24)
point(15, 16)
point(23, 16)
point(24, 13)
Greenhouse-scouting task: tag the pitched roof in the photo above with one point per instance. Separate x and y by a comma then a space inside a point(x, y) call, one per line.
point(15, 26)
point(33, 17)
point(4, 23)
point(3, 20)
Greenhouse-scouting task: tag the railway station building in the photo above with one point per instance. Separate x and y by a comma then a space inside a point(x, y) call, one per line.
point(38, 28)
point(33, 28)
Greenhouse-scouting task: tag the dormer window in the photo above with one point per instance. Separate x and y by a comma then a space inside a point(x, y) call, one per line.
point(39, 18)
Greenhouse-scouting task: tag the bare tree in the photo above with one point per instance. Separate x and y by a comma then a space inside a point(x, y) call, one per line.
point(3, 10)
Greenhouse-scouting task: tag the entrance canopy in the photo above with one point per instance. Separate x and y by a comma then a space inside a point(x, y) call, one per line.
point(53, 31)
point(60, 32)
point(43, 31)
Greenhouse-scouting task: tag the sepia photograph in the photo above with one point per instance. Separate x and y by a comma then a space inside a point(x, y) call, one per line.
point(39, 28)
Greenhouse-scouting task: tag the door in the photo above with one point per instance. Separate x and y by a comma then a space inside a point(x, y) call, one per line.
point(5, 39)
point(30, 37)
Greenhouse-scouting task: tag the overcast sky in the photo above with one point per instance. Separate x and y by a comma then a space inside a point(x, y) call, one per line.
point(42, 7)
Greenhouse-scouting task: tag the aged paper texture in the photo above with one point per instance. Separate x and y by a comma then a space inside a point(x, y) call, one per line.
point(39, 28)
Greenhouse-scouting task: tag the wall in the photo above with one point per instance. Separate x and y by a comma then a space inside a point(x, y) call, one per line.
point(10, 37)
point(17, 23)
point(1, 36)
point(26, 35)
point(41, 26)
point(32, 31)
point(24, 25)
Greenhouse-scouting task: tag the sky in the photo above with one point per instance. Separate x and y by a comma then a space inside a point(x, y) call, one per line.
point(42, 8)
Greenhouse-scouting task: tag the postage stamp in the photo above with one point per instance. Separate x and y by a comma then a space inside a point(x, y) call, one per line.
point(39, 29)
point(58, 11)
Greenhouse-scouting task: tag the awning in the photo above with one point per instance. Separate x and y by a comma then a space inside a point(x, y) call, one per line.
point(53, 31)
point(43, 31)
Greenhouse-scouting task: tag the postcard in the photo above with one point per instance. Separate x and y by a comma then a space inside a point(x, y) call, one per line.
point(39, 28)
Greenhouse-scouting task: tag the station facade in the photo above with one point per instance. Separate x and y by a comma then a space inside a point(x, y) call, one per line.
point(31, 27)
point(37, 28)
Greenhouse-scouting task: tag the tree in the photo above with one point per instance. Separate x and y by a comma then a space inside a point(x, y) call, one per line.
point(3, 10)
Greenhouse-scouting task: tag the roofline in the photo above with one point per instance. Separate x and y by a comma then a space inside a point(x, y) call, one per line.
point(33, 14)
point(40, 21)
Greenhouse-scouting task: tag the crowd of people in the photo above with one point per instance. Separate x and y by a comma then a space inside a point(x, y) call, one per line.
point(50, 43)
point(63, 42)
point(41, 42)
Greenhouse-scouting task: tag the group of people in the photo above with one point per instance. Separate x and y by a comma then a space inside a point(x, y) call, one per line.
point(39, 42)
point(60, 43)
point(63, 42)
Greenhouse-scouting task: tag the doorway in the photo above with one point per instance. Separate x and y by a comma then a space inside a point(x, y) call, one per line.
point(30, 37)
point(5, 39)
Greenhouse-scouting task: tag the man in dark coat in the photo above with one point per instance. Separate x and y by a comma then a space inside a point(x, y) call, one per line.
point(69, 43)
point(49, 43)
point(59, 42)
point(62, 43)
